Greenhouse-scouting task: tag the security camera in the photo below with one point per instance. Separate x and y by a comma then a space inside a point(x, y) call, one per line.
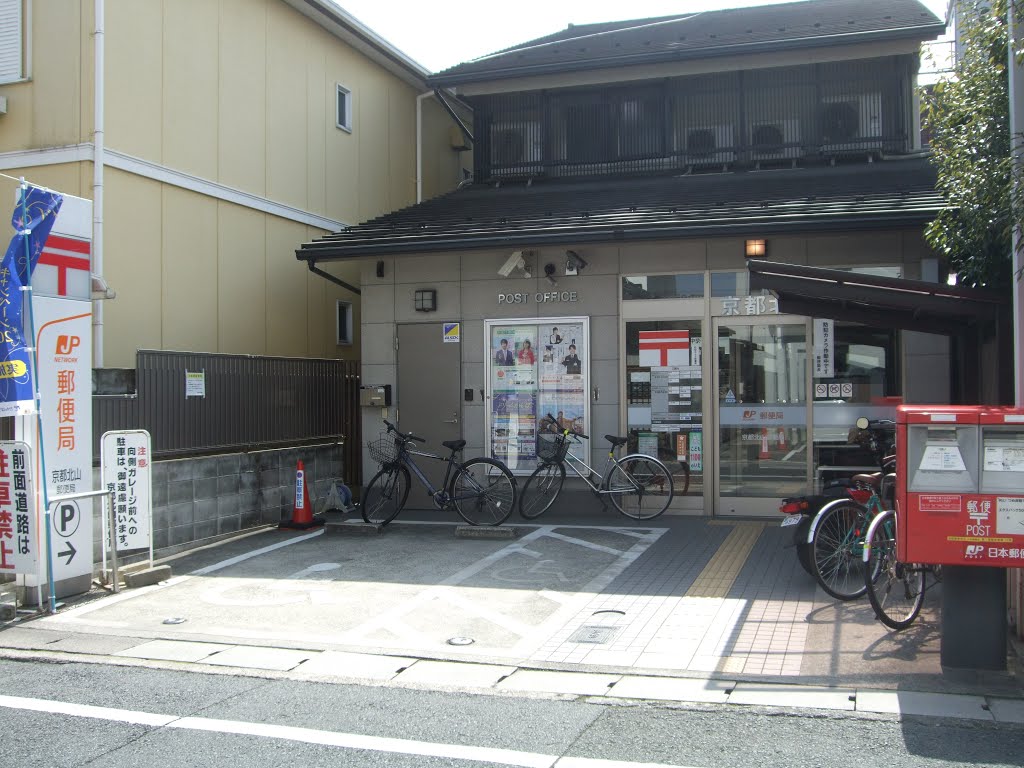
point(515, 261)
point(549, 273)
point(573, 262)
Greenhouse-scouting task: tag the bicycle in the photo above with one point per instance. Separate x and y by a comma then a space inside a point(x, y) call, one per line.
point(630, 482)
point(482, 490)
point(836, 535)
point(895, 589)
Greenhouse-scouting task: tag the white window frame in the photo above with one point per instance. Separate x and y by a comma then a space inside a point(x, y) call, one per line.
point(343, 96)
point(346, 307)
point(14, 24)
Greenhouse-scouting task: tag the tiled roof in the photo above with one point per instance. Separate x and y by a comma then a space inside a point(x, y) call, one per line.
point(878, 195)
point(701, 35)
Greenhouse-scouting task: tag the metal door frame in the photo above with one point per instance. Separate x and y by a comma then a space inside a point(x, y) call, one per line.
point(672, 310)
point(756, 506)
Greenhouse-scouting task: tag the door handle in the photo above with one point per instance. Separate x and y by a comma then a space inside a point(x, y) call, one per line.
point(453, 420)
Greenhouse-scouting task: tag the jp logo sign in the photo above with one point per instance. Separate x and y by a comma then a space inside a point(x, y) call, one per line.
point(66, 344)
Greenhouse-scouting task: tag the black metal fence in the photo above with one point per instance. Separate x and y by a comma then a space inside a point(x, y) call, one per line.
point(194, 404)
point(701, 122)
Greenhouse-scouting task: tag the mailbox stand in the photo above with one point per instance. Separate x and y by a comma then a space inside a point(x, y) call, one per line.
point(960, 504)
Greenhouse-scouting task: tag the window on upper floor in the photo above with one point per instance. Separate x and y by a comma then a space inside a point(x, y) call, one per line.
point(12, 34)
point(343, 109)
point(773, 117)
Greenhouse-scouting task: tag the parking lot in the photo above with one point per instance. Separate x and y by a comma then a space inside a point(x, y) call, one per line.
point(685, 597)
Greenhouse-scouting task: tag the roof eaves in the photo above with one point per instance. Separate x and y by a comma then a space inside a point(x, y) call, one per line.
point(347, 27)
point(325, 250)
point(922, 32)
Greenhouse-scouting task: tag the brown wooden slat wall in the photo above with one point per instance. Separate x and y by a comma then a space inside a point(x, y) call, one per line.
point(251, 403)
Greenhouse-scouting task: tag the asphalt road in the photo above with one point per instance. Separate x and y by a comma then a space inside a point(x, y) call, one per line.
point(77, 714)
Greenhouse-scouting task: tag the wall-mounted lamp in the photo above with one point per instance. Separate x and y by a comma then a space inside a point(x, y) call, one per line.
point(573, 262)
point(380, 269)
point(755, 247)
point(549, 273)
point(425, 300)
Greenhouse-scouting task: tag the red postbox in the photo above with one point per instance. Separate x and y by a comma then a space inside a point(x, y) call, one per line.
point(960, 485)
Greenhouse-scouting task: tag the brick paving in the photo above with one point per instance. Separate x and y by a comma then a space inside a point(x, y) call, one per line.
point(707, 597)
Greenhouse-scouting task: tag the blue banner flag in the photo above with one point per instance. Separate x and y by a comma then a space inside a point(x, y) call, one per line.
point(33, 218)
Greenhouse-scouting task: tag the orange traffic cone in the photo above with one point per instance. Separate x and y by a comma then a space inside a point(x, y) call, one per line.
point(302, 514)
point(764, 445)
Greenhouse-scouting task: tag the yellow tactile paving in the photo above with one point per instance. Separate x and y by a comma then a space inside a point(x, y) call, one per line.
point(724, 566)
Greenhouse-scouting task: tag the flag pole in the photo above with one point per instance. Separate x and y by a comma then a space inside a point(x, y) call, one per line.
point(34, 379)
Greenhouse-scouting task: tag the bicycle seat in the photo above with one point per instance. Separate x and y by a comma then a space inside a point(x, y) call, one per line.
point(455, 445)
point(616, 441)
point(873, 480)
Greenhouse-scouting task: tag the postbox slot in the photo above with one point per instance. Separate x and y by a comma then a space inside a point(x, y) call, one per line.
point(1002, 460)
point(942, 458)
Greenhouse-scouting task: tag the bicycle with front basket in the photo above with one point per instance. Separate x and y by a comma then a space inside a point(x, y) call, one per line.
point(481, 490)
point(638, 485)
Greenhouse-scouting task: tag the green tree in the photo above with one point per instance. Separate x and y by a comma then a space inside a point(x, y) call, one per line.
point(969, 119)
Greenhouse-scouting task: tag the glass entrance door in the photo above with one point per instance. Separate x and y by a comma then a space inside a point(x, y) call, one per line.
point(762, 413)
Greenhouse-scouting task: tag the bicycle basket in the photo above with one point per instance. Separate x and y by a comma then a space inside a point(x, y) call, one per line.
point(552, 448)
point(383, 450)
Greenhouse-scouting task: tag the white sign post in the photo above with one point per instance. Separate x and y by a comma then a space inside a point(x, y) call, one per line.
point(64, 344)
point(19, 534)
point(127, 473)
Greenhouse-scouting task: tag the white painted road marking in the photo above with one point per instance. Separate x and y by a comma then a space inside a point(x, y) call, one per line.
point(325, 738)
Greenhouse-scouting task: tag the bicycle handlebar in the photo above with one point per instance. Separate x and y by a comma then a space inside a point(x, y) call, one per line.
point(409, 436)
point(566, 432)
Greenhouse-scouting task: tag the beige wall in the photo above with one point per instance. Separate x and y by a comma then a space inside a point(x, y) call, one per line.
point(240, 93)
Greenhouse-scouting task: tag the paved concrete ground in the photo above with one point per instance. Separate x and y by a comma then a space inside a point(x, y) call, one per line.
point(679, 609)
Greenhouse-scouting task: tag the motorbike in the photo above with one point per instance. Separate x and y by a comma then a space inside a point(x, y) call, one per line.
point(802, 512)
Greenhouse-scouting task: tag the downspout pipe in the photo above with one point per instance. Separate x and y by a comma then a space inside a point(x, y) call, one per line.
point(419, 144)
point(336, 280)
point(97, 182)
point(458, 120)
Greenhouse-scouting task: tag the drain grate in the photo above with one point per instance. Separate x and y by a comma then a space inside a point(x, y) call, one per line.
point(593, 635)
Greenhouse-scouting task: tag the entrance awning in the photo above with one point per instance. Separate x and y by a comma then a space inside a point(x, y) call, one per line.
point(882, 302)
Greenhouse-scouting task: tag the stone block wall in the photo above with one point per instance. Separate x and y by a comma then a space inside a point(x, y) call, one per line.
point(199, 500)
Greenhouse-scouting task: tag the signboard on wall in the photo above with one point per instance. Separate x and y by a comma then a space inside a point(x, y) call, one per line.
point(824, 349)
point(536, 368)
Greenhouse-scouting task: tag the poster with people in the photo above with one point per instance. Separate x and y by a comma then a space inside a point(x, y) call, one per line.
point(535, 369)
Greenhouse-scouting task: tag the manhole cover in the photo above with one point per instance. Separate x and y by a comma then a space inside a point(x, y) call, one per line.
point(175, 620)
point(460, 641)
point(594, 635)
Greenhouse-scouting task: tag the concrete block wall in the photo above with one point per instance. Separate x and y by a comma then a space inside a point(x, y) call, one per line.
point(200, 500)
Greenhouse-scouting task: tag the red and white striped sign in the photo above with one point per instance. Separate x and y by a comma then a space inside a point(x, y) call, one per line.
point(661, 348)
point(64, 267)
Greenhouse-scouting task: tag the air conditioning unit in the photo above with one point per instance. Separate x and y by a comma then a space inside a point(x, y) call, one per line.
point(851, 123)
point(516, 146)
point(709, 145)
point(775, 139)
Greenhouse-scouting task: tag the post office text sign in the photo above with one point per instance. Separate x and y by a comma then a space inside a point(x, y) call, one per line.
point(540, 297)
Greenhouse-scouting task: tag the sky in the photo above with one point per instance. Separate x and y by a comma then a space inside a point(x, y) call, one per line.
point(441, 35)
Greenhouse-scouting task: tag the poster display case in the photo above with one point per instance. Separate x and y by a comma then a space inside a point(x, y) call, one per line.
point(535, 367)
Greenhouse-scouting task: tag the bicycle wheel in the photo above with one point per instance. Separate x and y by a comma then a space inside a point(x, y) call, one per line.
point(895, 589)
point(837, 550)
point(639, 486)
point(385, 495)
point(483, 492)
point(540, 490)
